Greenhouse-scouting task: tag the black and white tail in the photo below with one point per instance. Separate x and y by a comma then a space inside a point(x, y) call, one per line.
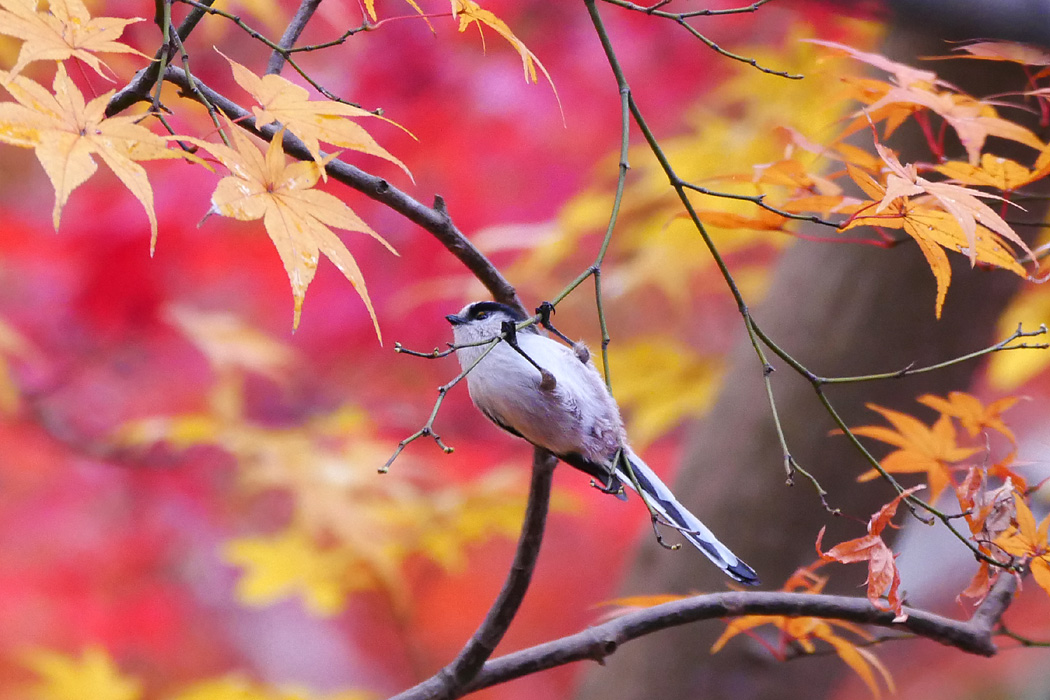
point(666, 505)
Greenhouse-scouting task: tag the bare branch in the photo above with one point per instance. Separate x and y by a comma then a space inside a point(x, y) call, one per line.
point(974, 636)
point(291, 35)
point(451, 681)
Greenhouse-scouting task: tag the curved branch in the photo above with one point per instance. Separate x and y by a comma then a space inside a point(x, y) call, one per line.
point(595, 643)
point(451, 681)
point(434, 220)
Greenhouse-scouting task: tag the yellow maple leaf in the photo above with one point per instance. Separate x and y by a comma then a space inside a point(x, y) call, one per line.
point(935, 230)
point(64, 30)
point(231, 687)
point(961, 202)
point(370, 8)
point(652, 245)
point(689, 382)
point(916, 89)
point(238, 687)
point(292, 563)
point(296, 216)
point(350, 528)
point(1028, 541)
point(921, 448)
point(313, 121)
point(932, 226)
point(973, 120)
point(93, 675)
point(65, 132)
point(469, 12)
point(993, 171)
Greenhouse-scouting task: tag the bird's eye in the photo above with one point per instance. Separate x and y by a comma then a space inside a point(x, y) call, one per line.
point(482, 315)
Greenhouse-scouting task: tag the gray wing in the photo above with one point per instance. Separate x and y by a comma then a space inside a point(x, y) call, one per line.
point(498, 420)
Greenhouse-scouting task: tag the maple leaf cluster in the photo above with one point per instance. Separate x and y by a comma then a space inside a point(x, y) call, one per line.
point(992, 494)
point(992, 501)
point(65, 131)
point(939, 215)
point(944, 204)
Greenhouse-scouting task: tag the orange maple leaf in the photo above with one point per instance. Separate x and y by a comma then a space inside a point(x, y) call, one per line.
point(921, 448)
point(961, 202)
point(791, 173)
point(1028, 541)
point(313, 121)
point(934, 230)
point(913, 90)
point(64, 30)
point(800, 632)
point(296, 216)
point(883, 577)
point(973, 415)
point(867, 92)
point(65, 132)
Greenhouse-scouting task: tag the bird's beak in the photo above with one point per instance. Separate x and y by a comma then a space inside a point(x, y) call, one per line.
point(455, 320)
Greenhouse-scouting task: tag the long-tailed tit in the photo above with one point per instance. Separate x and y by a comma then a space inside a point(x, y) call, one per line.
point(538, 389)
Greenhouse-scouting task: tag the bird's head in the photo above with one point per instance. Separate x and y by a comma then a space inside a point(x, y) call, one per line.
point(482, 320)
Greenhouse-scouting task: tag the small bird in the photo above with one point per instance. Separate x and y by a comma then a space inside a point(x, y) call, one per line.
point(553, 396)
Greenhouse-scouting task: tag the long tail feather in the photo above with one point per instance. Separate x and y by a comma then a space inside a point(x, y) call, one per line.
point(666, 505)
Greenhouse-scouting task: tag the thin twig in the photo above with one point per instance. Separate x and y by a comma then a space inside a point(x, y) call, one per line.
point(275, 47)
point(760, 201)
point(681, 17)
point(1001, 346)
point(1024, 641)
point(428, 428)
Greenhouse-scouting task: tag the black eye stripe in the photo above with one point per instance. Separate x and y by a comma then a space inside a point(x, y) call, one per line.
point(482, 309)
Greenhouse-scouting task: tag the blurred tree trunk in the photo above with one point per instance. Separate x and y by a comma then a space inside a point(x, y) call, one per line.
point(840, 310)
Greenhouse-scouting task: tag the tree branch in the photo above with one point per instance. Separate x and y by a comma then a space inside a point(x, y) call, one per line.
point(450, 682)
point(291, 35)
point(435, 220)
point(974, 636)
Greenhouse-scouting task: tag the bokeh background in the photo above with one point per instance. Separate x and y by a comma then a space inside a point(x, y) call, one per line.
point(163, 428)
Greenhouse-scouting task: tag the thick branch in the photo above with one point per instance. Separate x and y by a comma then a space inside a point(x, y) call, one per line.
point(291, 34)
point(434, 220)
point(596, 643)
point(450, 682)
